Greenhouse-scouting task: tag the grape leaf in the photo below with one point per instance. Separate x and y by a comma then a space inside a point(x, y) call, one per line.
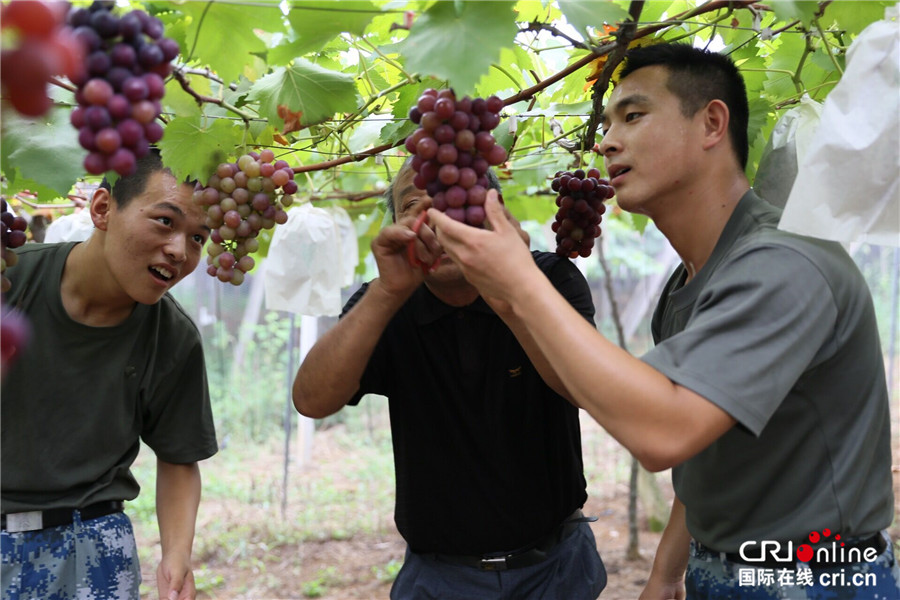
point(366, 134)
point(192, 147)
point(585, 15)
point(223, 33)
point(789, 10)
point(459, 46)
point(397, 130)
point(304, 87)
point(316, 23)
point(44, 151)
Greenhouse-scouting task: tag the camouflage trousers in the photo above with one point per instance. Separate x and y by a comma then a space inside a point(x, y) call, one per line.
point(87, 560)
point(713, 577)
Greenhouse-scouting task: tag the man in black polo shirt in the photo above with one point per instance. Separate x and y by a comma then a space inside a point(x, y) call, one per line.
point(487, 445)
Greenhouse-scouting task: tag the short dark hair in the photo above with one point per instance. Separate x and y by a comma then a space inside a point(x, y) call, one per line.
point(125, 189)
point(493, 183)
point(697, 76)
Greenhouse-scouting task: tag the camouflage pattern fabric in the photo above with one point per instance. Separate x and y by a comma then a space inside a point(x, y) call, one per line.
point(709, 576)
point(87, 560)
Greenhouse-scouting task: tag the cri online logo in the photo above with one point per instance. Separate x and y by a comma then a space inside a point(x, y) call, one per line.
point(805, 552)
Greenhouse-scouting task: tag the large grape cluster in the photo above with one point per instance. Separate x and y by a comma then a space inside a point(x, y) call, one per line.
point(119, 95)
point(580, 202)
point(12, 235)
point(452, 150)
point(39, 47)
point(240, 200)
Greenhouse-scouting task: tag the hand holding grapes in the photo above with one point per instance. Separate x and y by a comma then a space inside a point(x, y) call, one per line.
point(398, 274)
point(490, 259)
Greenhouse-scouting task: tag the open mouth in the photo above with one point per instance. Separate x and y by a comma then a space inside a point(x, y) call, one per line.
point(161, 273)
point(619, 171)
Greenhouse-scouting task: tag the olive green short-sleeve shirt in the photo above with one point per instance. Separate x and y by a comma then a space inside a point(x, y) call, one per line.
point(79, 399)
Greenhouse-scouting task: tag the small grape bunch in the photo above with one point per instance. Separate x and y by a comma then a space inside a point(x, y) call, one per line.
point(15, 331)
point(12, 235)
point(580, 202)
point(240, 200)
point(452, 150)
point(119, 95)
point(40, 46)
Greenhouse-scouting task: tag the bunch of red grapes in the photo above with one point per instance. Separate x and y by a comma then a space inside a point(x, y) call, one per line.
point(580, 202)
point(453, 149)
point(12, 235)
point(240, 200)
point(42, 47)
point(119, 94)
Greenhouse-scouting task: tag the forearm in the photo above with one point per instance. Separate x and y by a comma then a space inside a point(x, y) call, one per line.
point(331, 371)
point(177, 501)
point(674, 547)
point(659, 422)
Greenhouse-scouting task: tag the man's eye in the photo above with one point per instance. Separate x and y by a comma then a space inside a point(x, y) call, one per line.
point(199, 239)
point(631, 116)
point(164, 220)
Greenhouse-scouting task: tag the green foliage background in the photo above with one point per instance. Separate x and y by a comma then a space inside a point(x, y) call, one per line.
point(353, 70)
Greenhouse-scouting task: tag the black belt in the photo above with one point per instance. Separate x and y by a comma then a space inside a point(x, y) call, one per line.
point(57, 517)
point(876, 541)
point(527, 556)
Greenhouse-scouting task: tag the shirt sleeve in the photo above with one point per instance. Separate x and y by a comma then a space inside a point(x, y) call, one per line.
point(571, 284)
point(756, 327)
point(371, 381)
point(178, 421)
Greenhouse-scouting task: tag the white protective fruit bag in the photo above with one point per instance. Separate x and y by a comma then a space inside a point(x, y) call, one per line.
point(785, 149)
point(848, 184)
point(74, 227)
point(310, 259)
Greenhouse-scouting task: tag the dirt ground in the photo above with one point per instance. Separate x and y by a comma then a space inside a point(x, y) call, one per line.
point(262, 565)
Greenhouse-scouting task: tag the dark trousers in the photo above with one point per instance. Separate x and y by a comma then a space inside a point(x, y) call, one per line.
point(573, 570)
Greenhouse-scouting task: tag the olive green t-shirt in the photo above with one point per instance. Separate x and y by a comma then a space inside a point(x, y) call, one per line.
point(77, 401)
point(779, 331)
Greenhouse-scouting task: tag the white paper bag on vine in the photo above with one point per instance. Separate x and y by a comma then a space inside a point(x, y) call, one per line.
point(848, 184)
point(785, 149)
point(74, 227)
point(307, 261)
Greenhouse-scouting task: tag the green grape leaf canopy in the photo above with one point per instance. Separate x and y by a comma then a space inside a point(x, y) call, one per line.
point(327, 86)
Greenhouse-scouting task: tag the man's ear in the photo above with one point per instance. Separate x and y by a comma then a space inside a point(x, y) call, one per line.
point(715, 121)
point(101, 206)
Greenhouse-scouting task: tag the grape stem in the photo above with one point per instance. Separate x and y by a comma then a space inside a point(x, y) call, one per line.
point(186, 86)
point(624, 35)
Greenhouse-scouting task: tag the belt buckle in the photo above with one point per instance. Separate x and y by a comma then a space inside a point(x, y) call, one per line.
point(497, 563)
point(24, 521)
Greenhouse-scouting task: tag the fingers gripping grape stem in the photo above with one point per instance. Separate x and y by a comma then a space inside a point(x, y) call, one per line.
point(411, 247)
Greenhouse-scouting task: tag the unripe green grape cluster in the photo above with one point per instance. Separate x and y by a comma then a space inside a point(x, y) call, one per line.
point(240, 200)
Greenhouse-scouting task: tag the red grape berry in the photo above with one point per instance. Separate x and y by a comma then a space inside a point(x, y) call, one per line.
point(44, 47)
point(12, 235)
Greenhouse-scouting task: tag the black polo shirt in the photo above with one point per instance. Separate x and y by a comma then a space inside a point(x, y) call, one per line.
point(487, 456)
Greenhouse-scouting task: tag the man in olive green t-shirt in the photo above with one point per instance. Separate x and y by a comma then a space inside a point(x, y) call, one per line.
point(112, 359)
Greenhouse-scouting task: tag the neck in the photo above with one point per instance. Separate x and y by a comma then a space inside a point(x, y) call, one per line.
point(89, 293)
point(694, 221)
point(453, 293)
